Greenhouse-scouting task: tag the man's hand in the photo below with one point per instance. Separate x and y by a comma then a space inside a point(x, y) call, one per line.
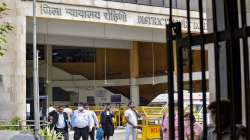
point(90, 129)
point(97, 126)
point(50, 119)
point(136, 126)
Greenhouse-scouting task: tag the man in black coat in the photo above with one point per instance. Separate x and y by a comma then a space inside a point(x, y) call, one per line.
point(59, 121)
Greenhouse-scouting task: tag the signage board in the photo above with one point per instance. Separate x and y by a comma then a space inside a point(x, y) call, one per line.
point(116, 98)
point(115, 16)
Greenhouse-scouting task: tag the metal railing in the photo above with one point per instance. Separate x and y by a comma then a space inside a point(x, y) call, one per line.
point(21, 124)
point(230, 47)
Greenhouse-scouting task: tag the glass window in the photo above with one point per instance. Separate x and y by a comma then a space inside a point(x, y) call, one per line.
point(157, 3)
point(29, 52)
point(174, 3)
point(74, 55)
point(60, 95)
point(29, 87)
point(91, 100)
point(144, 2)
point(181, 4)
point(194, 5)
point(130, 1)
point(117, 0)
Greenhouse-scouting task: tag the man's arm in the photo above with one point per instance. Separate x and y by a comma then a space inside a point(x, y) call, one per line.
point(95, 119)
point(73, 117)
point(137, 114)
point(91, 122)
point(66, 118)
point(127, 119)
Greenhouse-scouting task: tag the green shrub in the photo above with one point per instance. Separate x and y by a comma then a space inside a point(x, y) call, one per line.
point(16, 121)
point(50, 134)
point(13, 121)
point(27, 130)
point(3, 127)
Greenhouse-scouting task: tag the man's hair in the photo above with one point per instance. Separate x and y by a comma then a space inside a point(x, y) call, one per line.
point(225, 106)
point(86, 106)
point(60, 106)
point(66, 106)
point(130, 103)
point(80, 104)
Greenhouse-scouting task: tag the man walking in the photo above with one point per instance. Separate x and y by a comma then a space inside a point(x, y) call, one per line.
point(81, 122)
point(131, 117)
point(60, 122)
point(95, 122)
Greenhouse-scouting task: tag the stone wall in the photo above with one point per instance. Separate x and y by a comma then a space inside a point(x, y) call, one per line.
point(13, 65)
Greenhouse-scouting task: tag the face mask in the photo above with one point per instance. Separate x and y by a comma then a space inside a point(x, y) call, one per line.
point(107, 113)
point(80, 108)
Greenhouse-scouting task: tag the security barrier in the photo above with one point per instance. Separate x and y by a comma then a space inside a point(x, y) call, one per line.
point(119, 118)
point(146, 112)
point(198, 117)
point(150, 123)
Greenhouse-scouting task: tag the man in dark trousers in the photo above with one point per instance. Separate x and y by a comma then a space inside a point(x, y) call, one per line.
point(60, 121)
point(82, 123)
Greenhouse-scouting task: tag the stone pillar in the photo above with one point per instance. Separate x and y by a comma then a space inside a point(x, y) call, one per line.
point(134, 92)
point(13, 65)
point(49, 66)
point(134, 73)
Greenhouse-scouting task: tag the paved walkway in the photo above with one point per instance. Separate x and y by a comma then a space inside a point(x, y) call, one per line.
point(118, 135)
point(15, 135)
point(6, 135)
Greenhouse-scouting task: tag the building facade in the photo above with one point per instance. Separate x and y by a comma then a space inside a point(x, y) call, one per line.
point(90, 51)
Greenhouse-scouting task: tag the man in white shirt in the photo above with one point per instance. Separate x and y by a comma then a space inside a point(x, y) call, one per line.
point(95, 122)
point(60, 122)
point(131, 117)
point(81, 122)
